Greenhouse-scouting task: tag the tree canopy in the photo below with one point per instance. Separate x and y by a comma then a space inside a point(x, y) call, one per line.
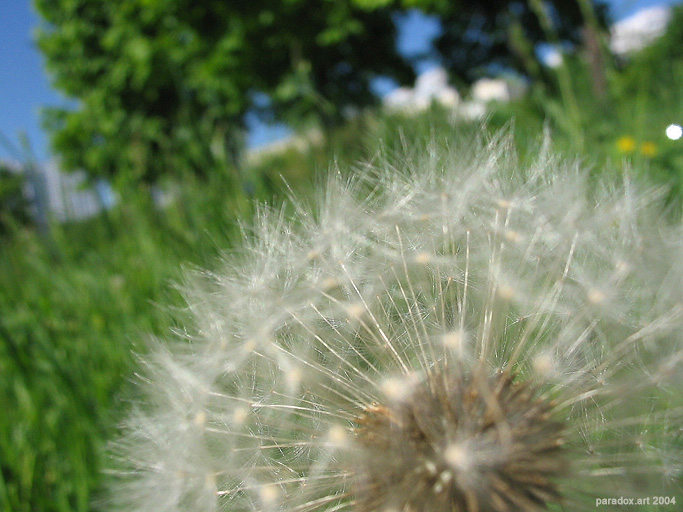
point(163, 85)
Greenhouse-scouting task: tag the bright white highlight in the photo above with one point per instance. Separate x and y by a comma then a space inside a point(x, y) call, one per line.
point(674, 131)
point(457, 457)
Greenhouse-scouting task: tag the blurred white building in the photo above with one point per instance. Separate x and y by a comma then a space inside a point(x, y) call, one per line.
point(486, 90)
point(60, 195)
point(431, 86)
point(70, 196)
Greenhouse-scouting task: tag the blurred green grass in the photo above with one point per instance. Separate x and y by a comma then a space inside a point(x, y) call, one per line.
point(73, 308)
point(71, 311)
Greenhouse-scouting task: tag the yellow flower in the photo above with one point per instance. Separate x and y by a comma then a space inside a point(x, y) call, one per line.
point(626, 144)
point(648, 149)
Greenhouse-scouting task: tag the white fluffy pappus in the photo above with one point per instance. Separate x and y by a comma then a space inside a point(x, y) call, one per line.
point(441, 332)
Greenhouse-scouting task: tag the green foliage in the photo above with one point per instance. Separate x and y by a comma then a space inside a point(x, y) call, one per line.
point(163, 86)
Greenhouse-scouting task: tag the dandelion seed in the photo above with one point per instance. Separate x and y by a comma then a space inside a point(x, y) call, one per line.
point(239, 415)
point(491, 355)
point(423, 258)
point(337, 436)
point(596, 296)
point(506, 291)
point(269, 495)
point(329, 283)
point(544, 364)
point(397, 389)
point(512, 235)
point(355, 311)
point(456, 342)
point(200, 418)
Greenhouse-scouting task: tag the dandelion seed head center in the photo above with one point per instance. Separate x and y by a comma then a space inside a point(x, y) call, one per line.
point(454, 439)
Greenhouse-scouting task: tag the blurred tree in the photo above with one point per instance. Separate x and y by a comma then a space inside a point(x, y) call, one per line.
point(503, 33)
point(480, 37)
point(162, 86)
point(319, 57)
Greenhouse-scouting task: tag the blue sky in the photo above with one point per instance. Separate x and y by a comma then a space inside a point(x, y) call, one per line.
point(25, 86)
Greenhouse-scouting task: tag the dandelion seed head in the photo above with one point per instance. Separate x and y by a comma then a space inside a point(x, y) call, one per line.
point(469, 336)
point(480, 437)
